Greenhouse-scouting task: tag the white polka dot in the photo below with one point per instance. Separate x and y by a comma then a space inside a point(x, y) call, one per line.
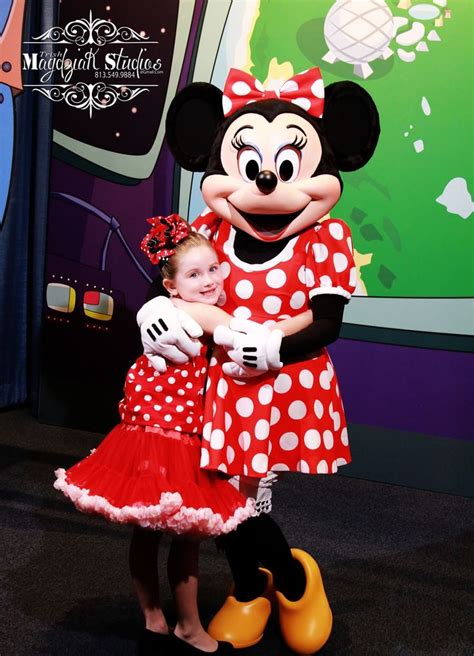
point(146, 417)
point(353, 277)
point(274, 416)
point(262, 429)
point(318, 409)
point(189, 420)
point(310, 281)
point(337, 421)
point(189, 385)
point(222, 388)
point(184, 373)
point(171, 380)
point(289, 441)
point(244, 289)
point(241, 88)
point(340, 262)
point(276, 278)
point(157, 408)
point(280, 466)
point(168, 399)
point(312, 439)
point(147, 397)
point(260, 463)
point(344, 437)
point(304, 103)
point(137, 408)
point(317, 88)
point(297, 410)
point(225, 269)
point(325, 281)
point(134, 366)
point(349, 245)
point(303, 467)
point(246, 470)
point(178, 428)
point(340, 462)
point(328, 439)
point(306, 379)
point(302, 274)
point(265, 394)
point(168, 417)
point(272, 304)
point(320, 252)
point(324, 380)
point(336, 230)
point(244, 406)
point(244, 440)
point(242, 312)
point(179, 408)
point(282, 383)
point(204, 457)
point(222, 467)
point(322, 467)
point(181, 392)
point(131, 377)
point(206, 431)
point(213, 362)
point(138, 388)
point(230, 454)
point(298, 300)
point(217, 439)
point(290, 85)
point(226, 105)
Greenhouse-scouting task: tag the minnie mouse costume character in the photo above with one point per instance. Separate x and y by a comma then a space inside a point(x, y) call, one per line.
point(271, 162)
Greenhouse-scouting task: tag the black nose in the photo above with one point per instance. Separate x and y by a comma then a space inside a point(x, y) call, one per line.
point(266, 181)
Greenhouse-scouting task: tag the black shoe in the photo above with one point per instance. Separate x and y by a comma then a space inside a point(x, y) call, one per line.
point(154, 644)
point(182, 648)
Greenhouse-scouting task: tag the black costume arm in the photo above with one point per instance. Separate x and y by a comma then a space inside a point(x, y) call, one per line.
point(328, 310)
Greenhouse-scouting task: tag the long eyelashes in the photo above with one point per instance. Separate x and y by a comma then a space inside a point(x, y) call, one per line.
point(299, 142)
point(238, 142)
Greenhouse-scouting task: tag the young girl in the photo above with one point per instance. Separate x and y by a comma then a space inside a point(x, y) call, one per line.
point(146, 471)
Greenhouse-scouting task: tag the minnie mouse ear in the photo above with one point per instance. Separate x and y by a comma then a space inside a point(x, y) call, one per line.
point(351, 124)
point(191, 123)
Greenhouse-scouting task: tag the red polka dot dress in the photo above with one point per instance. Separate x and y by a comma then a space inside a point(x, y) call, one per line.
point(146, 471)
point(293, 419)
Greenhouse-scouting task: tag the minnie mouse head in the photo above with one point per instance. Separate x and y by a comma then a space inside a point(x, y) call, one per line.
point(271, 159)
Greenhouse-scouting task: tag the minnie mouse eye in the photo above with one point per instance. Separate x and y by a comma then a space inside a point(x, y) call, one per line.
point(288, 164)
point(250, 164)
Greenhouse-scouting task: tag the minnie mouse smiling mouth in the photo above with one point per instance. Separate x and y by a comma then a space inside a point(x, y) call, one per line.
point(270, 225)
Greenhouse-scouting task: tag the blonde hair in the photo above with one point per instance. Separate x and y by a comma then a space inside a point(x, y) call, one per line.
point(170, 265)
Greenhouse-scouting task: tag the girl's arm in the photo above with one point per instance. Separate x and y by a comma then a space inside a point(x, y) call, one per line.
point(211, 316)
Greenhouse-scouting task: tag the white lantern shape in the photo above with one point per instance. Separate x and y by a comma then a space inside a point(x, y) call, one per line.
point(357, 32)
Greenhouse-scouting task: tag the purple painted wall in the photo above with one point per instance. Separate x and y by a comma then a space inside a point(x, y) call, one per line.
point(407, 388)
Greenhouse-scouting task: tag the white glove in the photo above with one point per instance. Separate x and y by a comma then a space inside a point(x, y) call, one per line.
point(167, 333)
point(253, 348)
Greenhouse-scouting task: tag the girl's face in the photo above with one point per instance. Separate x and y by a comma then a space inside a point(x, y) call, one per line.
point(198, 276)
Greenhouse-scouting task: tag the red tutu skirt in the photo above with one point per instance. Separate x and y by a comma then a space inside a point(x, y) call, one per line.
point(151, 477)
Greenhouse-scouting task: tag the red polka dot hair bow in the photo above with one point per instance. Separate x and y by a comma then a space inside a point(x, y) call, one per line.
point(167, 232)
point(304, 89)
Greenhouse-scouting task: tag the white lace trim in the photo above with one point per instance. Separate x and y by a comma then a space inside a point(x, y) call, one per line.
point(168, 515)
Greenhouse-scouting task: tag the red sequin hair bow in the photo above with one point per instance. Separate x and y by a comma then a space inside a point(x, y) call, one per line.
point(305, 89)
point(166, 233)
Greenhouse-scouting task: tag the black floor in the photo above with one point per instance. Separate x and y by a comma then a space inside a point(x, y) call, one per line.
point(398, 563)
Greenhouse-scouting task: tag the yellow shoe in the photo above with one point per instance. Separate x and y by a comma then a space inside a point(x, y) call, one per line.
point(306, 624)
point(242, 622)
